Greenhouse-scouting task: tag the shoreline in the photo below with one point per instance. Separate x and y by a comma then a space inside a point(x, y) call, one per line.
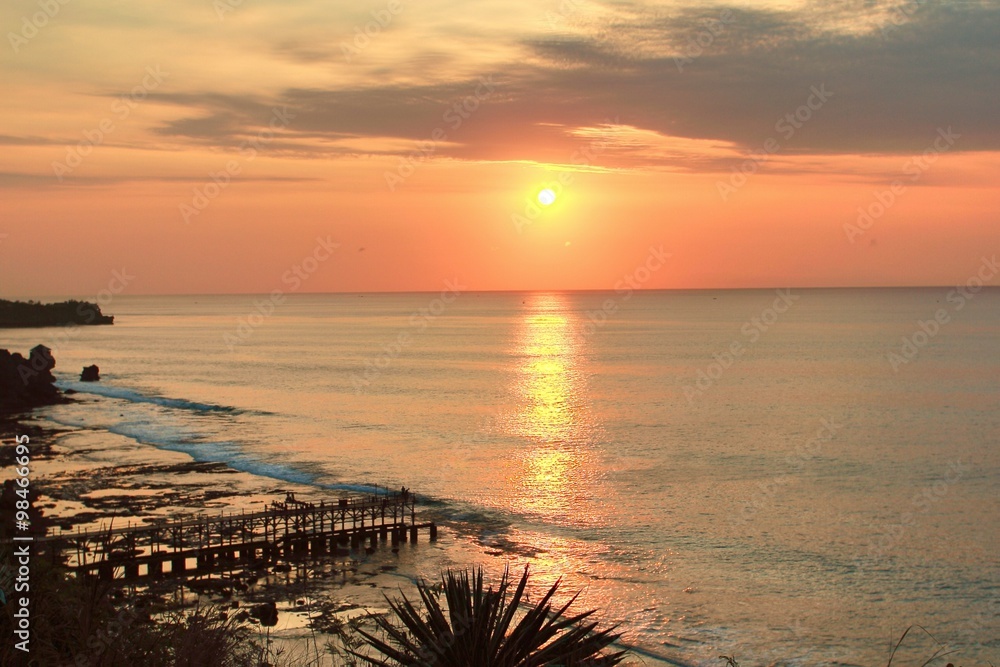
point(88, 475)
point(92, 479)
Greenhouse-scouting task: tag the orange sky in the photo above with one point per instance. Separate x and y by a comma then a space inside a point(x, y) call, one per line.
point(118, 116)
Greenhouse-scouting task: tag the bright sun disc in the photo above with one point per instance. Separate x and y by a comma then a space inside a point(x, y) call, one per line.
point(546, 197)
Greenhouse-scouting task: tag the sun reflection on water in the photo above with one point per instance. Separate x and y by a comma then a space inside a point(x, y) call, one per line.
point(553, 475)
point(550, 385)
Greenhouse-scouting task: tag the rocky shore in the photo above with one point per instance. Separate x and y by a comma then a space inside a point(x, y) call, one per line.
point(27, 383)
point(92, 479)
point(86, 479)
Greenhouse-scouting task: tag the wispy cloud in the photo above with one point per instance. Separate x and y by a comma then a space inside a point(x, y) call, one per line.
point(895, 81)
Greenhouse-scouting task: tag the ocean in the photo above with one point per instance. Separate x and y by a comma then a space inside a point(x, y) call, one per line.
point(788, 476)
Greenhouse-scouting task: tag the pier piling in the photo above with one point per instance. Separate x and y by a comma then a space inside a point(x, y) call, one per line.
point(290, 529)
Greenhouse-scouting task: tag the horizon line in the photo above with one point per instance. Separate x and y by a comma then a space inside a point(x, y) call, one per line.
point(64, 297)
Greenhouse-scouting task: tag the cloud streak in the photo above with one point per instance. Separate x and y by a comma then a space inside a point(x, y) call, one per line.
point(893, 87)
point(899, 71)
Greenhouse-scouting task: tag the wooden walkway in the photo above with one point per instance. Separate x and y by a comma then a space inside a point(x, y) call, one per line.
point(287, 530)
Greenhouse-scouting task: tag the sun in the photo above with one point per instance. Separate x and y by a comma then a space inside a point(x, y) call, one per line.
point(546, 197)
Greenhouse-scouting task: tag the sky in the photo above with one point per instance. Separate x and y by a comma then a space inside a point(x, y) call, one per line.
point(253, 146)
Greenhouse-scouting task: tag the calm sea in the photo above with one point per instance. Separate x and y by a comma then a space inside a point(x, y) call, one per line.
point(790, 477)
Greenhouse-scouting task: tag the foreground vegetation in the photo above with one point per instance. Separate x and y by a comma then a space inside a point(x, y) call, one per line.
point(480, 626)
point(87, 623)
point(460, 622)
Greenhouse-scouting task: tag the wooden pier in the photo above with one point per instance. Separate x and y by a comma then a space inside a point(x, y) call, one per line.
point(288, 530)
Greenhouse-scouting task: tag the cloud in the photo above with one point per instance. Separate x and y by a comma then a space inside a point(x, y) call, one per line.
point(13, 179)
point(892, 86)
point(898, 71)
point(892, 89)
point(8, 140)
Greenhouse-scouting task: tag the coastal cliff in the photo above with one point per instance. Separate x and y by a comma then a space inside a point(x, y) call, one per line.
point(27, 383)
point(34, 314)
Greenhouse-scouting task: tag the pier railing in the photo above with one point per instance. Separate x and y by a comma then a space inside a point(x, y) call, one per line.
point(287, 530)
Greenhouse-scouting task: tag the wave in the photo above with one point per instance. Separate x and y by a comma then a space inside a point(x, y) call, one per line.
point(482, 522)
point(152, 420)
point(167, 423)
point(134, 396)
point(178, 439)
point(207, 452)
point(373, 489)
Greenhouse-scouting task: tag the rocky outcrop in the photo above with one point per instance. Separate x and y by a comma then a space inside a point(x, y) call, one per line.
point(90, 374)
point(27, 383)
point(34, 314)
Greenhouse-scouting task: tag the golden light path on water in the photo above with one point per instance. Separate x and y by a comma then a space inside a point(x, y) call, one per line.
point(557, 475)
point(552, 415)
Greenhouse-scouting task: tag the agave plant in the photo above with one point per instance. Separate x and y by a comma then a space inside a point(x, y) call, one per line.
point(478, 627)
